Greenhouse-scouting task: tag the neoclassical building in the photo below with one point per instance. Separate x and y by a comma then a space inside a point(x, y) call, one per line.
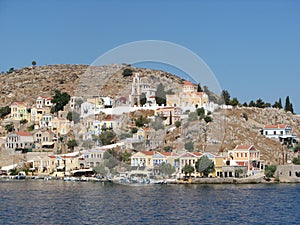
point(188, 97)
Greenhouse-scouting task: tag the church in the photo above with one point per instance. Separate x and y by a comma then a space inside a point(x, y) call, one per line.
point(188, 98)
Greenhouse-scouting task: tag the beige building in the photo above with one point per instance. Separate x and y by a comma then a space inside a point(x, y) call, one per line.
point(19, 111)
point(188, 97)
point(60, 126)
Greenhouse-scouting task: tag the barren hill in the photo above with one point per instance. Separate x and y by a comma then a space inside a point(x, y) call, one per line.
point(28, 83)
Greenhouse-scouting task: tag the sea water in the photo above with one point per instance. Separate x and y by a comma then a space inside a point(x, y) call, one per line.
point(60, 202)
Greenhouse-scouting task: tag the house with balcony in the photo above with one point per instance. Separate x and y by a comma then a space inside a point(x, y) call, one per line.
point(44, 139)
point(281, 132)
point(43, 101)
point(19, 111)
point(244, 158)
point(91, 158)
point(142, 159)
point(19, 141)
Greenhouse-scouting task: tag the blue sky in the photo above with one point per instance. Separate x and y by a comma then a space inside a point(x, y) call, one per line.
point(253, 47)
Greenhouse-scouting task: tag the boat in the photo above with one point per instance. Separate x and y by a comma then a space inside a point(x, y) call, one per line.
point(21, 175)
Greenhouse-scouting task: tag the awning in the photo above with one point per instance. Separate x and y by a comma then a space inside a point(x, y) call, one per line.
point(48, 143)
point(10, 167)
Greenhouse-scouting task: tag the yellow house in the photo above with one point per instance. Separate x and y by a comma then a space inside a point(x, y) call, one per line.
point(218, 162)
point(246, 156)
point(19, 111)
point(142, 159)
point(60, 126)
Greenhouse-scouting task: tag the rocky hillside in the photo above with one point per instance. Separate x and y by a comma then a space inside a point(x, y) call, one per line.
point(28, 83)
point(229, 127)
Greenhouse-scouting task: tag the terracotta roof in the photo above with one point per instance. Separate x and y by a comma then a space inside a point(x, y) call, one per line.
point(197, 153)
point(275, 126)
point(188, 83)
point(245, 147)
point(23, 133)
point(169, 153)
point(45, 97)
point(191, 154)
point(149, 152)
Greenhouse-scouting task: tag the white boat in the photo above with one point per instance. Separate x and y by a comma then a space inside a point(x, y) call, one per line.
point(21, 175)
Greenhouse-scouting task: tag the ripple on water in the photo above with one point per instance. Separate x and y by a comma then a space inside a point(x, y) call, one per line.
point(58, 202)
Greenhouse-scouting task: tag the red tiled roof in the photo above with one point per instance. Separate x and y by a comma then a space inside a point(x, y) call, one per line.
point(23, 133)
point(169, 153)
point(275, 126)
point(197, 153)
point(245, 147)
point(148, 152)
point(188, 83)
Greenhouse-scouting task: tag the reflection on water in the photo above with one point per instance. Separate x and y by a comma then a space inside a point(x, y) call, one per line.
point(58, 202)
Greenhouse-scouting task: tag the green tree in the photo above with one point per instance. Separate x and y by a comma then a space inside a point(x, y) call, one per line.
point(141, 121)
point(160, 95)
point(107, 137)
point(177, 123)
point(288, 105)
point(279, 104)
point(205, 165)
point(252, 104)
point(72, 144)
point(166, 169)
point(33, 63)
point(245, 104)
point(226, 96)
point(11, 70)
point(9, 127)
point(157, 124)
point(168, 149)
point(143, 99)
point(73, 116)
point(171, 119)
point(259, 103)
point(4, 111)
point(59, 100)
point(188, 169)
point(23, 121)
point(234, 102)
point(208, 119)
point(30, 128)
point(125, 156)
point(189, 146)
point(201, 112)
point(270, 170)
point(193, 116)
point(296, 160)
point(127, 72)
point(199, 88)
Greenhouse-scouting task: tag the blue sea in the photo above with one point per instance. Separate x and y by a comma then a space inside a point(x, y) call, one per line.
point(60, 202)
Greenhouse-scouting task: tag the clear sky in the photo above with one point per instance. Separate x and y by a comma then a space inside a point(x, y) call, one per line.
point(253, 47)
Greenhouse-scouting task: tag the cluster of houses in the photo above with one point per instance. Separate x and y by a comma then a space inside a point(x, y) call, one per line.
point(98, 113)
point(244, 160)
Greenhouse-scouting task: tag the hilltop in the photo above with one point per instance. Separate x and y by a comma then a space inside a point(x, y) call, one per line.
point(28, 83)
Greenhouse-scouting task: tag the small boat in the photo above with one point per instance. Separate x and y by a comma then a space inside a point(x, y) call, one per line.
point(21, 175)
